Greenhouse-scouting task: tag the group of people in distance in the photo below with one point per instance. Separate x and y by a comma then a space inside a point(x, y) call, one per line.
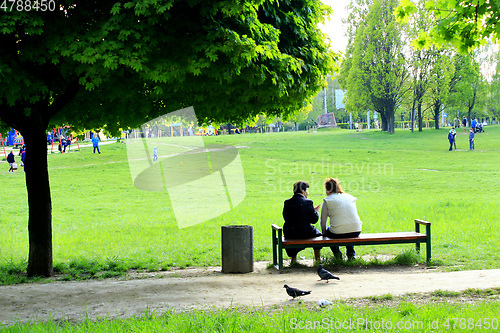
point(475, 128)
point(339, 207)
point(452, 138)
point(476, 125)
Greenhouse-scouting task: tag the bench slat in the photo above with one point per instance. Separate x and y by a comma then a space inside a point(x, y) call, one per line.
point(363, 238)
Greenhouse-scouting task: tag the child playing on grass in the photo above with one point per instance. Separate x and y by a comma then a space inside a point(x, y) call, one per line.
point(95, 143)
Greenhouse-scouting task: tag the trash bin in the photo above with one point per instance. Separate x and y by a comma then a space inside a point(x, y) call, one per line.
point(237, 249)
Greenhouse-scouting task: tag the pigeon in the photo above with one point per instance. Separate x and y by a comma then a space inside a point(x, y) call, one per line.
point(294, 292)
point(323, 302)
point(325, 275)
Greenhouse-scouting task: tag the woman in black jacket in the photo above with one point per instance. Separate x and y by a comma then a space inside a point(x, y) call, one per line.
point(300, 215)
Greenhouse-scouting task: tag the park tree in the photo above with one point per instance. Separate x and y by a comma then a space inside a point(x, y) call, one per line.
point(376, 72)
point(424, 64)
point(442, 80)
point(493, 102)
point(467, 83)
point(113, 64)
point(465, 24)
point(358, 12)
point(353, 77)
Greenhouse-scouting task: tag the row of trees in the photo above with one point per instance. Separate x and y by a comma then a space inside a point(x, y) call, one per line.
point(384, 70)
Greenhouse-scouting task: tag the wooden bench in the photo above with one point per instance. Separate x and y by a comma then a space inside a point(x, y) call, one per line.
point(280, 243)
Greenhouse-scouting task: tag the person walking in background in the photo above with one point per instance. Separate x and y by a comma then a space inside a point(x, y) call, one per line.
point(464, 124)
point(23, 158)
point(456, 122)
point(471, 139)
point(22, 153)
point(95, 143)
point(473, 124)
point(155, 154)
point(11, 160)
point(451, 139)
point(454, 132)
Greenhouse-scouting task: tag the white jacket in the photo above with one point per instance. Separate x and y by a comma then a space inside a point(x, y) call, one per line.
point(341, 208)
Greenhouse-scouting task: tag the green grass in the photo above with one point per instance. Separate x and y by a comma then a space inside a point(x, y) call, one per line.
point(413, 313)
point(104, 226)
point(404, 258)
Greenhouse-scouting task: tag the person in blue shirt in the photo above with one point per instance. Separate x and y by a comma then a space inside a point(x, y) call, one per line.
point(471, 139)
point(155, 154)
point(451, 139)
point(95, 143)
point(22, 153)
point(473, 124)
point(23, 158)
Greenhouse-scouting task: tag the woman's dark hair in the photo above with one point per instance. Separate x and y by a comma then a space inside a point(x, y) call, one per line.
point(332, 185)
point(300, 186)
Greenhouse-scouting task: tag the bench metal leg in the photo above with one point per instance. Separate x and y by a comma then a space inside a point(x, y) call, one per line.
point(280, 249)
point(427, 243)
point(275, 248)
point(417, 245)
point(428, 249)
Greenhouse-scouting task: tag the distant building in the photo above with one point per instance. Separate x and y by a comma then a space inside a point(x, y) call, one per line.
point(339, 99)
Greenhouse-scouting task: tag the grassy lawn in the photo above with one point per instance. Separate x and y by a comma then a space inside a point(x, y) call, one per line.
point(103, 225)
point(101, 222)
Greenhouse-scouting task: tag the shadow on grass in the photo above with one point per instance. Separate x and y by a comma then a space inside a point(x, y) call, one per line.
point(75, 270)
point(408, 258)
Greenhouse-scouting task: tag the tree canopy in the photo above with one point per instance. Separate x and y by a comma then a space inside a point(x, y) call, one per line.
point(466, 24)
point(375, 70)
point(230, 60)
point(113, 64)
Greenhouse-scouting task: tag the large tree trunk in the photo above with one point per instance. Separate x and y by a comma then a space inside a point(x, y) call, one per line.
point(384, 121)
point(39, 201)
point(390, 122)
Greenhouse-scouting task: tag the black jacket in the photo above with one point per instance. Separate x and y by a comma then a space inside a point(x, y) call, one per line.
point(10, 158)
point(299, 214)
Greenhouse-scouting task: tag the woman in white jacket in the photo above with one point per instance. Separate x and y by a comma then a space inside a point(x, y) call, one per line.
point(341, 208)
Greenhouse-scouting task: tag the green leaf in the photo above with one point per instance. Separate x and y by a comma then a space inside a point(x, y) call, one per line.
point(115, 10)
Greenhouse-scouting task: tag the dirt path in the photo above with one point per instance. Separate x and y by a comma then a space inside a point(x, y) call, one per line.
point(196, 288)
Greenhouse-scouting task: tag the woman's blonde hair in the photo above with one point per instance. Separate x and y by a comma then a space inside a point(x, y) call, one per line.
point(332, 185)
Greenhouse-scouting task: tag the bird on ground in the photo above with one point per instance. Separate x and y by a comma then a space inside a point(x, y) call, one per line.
point(323, 302)
point(294, 292)
point(325, 275)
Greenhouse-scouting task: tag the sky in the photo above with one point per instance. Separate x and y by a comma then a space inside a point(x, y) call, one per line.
point(334, 28)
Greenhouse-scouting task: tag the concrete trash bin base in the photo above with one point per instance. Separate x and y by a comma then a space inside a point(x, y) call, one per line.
point(237, 249)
